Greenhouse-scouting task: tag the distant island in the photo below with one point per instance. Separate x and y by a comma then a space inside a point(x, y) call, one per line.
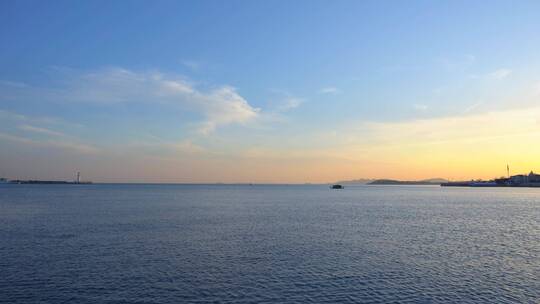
point(370, 181)
point(77, 181)
point(521, 180)
point(431, 181)
point(360, 181)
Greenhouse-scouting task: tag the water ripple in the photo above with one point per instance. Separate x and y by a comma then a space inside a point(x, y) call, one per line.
point(268, 244)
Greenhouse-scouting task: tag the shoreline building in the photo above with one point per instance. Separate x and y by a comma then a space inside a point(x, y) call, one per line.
point(532, 179)
point(521, 180)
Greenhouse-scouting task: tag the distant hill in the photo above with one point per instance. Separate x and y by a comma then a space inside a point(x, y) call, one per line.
point(360, 181)
point(370, 181)
point(431, 181)
point(436, 180)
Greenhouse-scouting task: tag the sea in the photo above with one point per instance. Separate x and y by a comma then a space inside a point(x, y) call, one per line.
point(134, 243)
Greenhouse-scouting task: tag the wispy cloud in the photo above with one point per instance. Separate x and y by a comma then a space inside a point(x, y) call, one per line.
point(465, 126)
point(290, 103)
point(329, 90)
point(500, 74)
point(61, 144)
point(281, 102)
point(40, 134)
point(219, 105)
point(224, 106)
point(536, 89)
point(159, 147)
point(14, 84)
point(32, 120)
point(192, 64)
point(463, 146)
point(187, 146)
point(420, 107)
point(41, 130)
point(473, 107)
point(458, 63)
point(12, 116)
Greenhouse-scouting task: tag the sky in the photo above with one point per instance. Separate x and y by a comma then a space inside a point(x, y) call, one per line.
point(268, 91)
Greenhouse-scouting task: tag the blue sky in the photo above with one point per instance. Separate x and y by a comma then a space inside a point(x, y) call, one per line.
point(281, 91)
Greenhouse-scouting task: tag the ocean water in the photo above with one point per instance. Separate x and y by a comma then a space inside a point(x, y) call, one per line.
point(268, 244)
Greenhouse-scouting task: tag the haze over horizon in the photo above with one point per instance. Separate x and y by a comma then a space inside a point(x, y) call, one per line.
point(268, 91)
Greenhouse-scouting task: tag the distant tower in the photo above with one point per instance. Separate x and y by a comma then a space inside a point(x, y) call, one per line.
point(508, 170)
point(78, 177)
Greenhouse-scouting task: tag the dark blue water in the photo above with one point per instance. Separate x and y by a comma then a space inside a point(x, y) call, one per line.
point(268, 244)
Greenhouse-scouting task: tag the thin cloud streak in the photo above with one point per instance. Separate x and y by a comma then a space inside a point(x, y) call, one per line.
point(500, 74)
point(420, 107)
point(329, 90)
point(14, 84)
point(290, 103)
point(220, 106)
point(41, 130)
point(78, 147)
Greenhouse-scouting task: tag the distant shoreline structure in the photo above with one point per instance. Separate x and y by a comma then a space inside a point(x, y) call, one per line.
point(77, 181)
point(48, 182)
point(434, 182)
point(531, 180)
